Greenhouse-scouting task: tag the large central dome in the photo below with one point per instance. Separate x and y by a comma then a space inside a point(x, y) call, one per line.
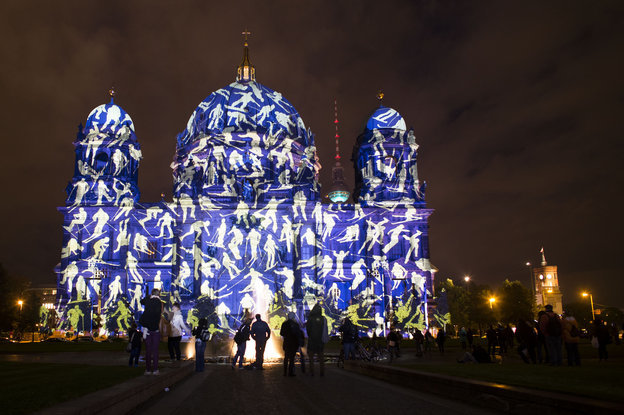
point(243, 106)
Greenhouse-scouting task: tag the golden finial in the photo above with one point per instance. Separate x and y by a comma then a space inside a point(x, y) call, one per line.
point(111, 92)
point(246, 33)
point(380, 95)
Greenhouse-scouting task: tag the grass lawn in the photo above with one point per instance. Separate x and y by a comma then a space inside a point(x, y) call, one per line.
point(27, 387)
point(601, 380)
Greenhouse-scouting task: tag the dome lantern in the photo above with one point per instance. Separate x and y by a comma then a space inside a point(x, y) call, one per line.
point(246, 71)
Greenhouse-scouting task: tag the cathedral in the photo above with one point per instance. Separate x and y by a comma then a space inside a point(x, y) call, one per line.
point(246, 230)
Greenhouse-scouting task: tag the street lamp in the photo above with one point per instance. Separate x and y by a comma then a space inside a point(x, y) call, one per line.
point(20, 303)
point(492, 301)
point(591, 301)
point(467, 279)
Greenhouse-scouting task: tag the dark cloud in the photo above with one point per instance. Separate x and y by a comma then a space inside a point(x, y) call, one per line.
point(517, 108)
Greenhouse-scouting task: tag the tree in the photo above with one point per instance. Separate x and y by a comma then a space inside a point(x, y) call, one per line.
point(457, 300)
point(516, 302)
point(581, 310)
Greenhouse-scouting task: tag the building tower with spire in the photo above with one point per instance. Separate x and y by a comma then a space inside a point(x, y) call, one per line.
point(338, 192)
point(546, 283)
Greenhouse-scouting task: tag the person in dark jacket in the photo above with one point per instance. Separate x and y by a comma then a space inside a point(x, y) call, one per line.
point(317, 337)
point(150, 320)
point(601, 331)
point(542, 357)
point(440, 339)
point(291, 333)
point(240, 338)
point(550, 325)
point(260, 332)
point(349, 337)
point(490, 335)
point(134, 337)
point(527, 339)
point(393, 343)
point(202, 335)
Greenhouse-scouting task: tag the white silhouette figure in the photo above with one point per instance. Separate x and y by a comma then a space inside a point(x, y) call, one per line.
point(102, 192)
point(71, 248)
point(230, 266)
point(288, 282)
point(340, 256)
point(247, 303)
point(101, 218)
point(253, 240)
point(81, 187)
point(150, 214)
point(359, 274)
point(79, 219)
point(81, 289)
point(122, 235)
point(131, 266)
point(235, 242)
point(114, 289)
point(327, 266)
point(414, 241)
point(69, 273)
point(329, 220)
point(119, 160)
point(395, 233)
point(222, 311)
point(157, 281)
point(242, 211)
point(398, 274)
point(221, 233)
point(137, 294)
point(299, 201)
point(352, 233)
point(100, 247)
point(269, 248)
point(374, 234)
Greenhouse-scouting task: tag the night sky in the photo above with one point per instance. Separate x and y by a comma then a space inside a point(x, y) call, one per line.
point(517, 109)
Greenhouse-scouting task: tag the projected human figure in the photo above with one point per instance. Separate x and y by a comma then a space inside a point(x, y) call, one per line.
point(79, 219)
point(414, 241)
point(340, 256)
point(352, 233)
point(101, 218)
point(333, 295)
point(230, 266)
point(151, 213)
point(357, 269)
point(253, 241)
point(247, 303)
point(114, 289)
point(206, 267)
point(137, 295)
point(69, 273)
point(81, 187)
point(288, 281)
point(131, 267)
point(183, 276)
point(102, 192)
point(158, 281)
point(74, 315)
point(120, 161)
point(71, 248)
point(235, 242)
point(269, 248)
point(141, 244)
point(100, 247)
point(223, 311)
point(418, 281)
point(122, 235)
point(165, 222)
point(310, 238)
point(287, 233)
point(374, 234)
point(398, 274)
point(329, 220)
point(221, 231)
point(299, 202)
point(394, 233)
point(242, 213)
point(81, 289)
point(327, 266)
point(186, 204)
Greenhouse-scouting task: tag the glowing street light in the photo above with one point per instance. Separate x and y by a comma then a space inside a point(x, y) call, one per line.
point(492, 300)
point(467, 278)
point(591, 301)
point(20, 303)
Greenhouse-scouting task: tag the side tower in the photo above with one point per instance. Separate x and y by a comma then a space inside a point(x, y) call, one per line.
point(100, 196)
point(375, 263)
point(546, 284)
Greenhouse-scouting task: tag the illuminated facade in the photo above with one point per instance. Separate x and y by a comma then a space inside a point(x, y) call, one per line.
point(246, 230)
point(546, 284)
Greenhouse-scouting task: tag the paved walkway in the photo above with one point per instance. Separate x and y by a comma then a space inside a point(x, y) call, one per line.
point(223, 390)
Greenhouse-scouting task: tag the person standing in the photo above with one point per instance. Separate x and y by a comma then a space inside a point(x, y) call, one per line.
point(550, 324)
point(571, 338)
point(134, 338)
point(177, 329)
point(150, 320)
point(349, 337)
point(428, 340)
point(541, 341)
point(291, 333)
point(469, 337)
point(240, 338)
point(490, 335)
point(202, 335)
point(527, 339)
point(601, 332)
point(261, 333)
point(393, 343)
point(316, 327)
point(440, 339)
point(463, 338)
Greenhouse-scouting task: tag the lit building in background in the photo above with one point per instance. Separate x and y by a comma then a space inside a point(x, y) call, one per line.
point(546, 285)
point(245, 231)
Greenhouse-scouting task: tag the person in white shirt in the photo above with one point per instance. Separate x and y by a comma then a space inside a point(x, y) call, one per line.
point(177, 329)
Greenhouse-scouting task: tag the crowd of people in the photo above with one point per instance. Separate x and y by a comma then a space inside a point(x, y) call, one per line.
point(541, 341)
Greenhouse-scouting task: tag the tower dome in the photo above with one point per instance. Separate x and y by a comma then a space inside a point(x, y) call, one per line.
point(385, 117)
point(110, 119)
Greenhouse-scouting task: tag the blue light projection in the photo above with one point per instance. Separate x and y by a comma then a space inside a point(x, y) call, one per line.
point(246, 230)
